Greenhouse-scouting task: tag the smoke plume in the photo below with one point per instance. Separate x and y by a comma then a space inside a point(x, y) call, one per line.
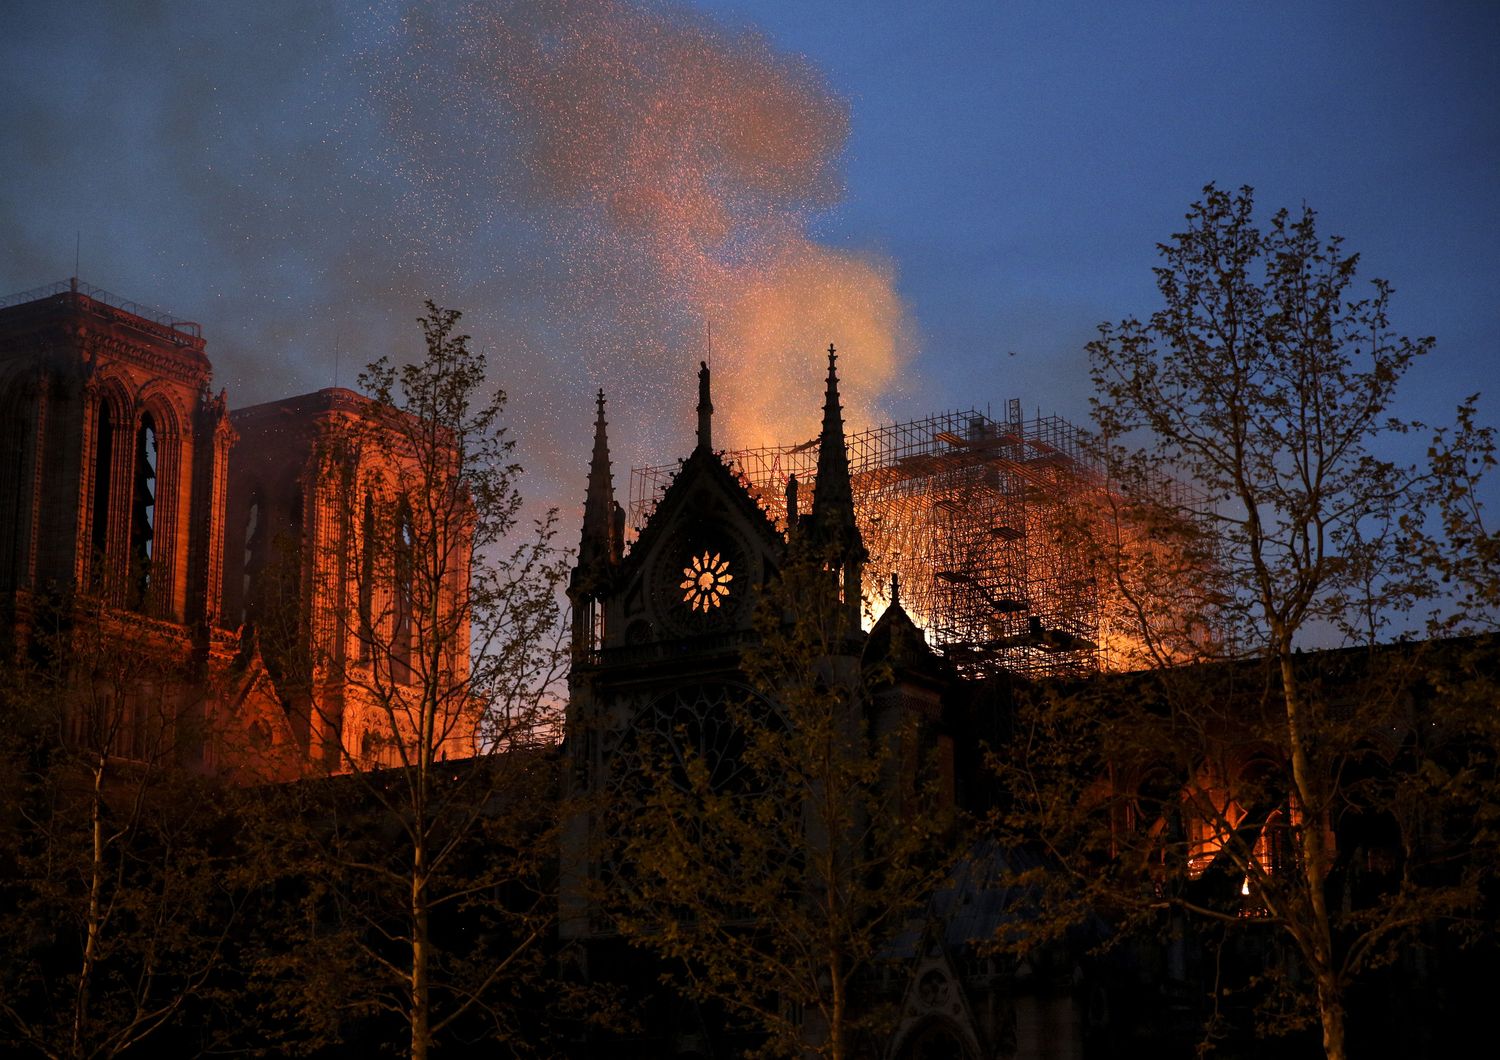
point(597, 184)
point(675, 164)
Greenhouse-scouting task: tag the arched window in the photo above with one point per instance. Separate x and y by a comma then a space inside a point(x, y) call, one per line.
point(366, 577)
point(17, 428)
point(143, 512)
point(254, 552)
point(369, 750)
point(276, 604)
point(403, 569)
point(104, 438)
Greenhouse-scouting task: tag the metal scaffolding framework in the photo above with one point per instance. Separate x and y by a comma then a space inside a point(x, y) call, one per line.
point(969, 511)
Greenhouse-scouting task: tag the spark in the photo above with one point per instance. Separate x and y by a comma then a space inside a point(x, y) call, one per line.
point(672, 167)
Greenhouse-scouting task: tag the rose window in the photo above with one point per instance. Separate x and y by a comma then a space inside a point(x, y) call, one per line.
point(706, 581)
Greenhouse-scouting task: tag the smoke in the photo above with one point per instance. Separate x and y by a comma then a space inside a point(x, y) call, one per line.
point(597, 184)
point(675, 165)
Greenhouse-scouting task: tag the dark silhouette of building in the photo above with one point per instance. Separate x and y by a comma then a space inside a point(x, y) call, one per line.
point(229, 544)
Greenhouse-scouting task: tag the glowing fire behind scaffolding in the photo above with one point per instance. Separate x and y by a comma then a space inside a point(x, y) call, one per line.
point(976, 515)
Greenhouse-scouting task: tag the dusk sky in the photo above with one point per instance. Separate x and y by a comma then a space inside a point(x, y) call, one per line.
point(956, 194)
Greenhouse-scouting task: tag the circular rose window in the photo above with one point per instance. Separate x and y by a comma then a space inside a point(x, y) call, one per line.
point(705, 581)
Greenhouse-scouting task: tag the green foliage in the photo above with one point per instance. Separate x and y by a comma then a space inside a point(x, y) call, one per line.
point(1464, 559)
point(331, 962)
point(1266, 382)
point(437, 463)
point(118, 893)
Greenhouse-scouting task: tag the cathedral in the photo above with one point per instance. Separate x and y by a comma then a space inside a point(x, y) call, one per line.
point(234, 566)
point(235, 588)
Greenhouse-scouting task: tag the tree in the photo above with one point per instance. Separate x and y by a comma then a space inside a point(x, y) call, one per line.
point(418, 870)
point(118, 894)
point(1464, 559)
point(1268, 384)
point(775, 867)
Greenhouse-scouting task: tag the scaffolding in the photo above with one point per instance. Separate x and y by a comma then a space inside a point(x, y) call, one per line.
point(973, 514)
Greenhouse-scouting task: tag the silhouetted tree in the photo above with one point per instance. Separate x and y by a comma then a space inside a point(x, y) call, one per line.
point(416, 874)
point(1321, 799)
point(118, 889)
point(776, 866)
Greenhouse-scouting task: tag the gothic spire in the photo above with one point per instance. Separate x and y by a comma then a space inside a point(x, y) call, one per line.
point(833, 496)
point(832, 519)
point(599, 541)
point(705, 410)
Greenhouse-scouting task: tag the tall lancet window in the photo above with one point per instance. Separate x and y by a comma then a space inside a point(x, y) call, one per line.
point(143, 512)
point(16, 422)
point(104, 444)
point(254, 549)
point(403, 570)
point(368, 543)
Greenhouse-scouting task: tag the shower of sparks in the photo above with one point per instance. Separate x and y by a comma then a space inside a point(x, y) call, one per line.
point(596, 184)
point(669, 167)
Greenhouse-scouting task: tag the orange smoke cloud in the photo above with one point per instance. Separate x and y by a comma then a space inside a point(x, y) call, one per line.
point(778, 319)
point(677, 164)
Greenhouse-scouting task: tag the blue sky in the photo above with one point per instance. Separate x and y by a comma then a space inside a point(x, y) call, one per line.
point(1005, 168)
point(1020, 161)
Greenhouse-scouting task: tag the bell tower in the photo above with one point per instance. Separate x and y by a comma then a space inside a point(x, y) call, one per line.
point(114, 454)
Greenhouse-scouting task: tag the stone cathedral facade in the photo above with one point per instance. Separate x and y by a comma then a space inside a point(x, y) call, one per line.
point(211, 557)
point(216, 572)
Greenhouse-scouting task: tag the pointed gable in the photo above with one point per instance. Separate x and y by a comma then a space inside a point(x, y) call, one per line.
point(898, 642)
point(697, 564)
point(703, 554)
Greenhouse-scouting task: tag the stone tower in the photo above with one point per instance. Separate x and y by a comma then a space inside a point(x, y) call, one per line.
point(115, 456)
point(114, 481)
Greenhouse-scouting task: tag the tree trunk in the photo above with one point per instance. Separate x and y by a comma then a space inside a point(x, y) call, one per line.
point(421, 1016)
point(1318, 939)
point(96, 884)
point(837, 1013)
point(1331, 1012)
